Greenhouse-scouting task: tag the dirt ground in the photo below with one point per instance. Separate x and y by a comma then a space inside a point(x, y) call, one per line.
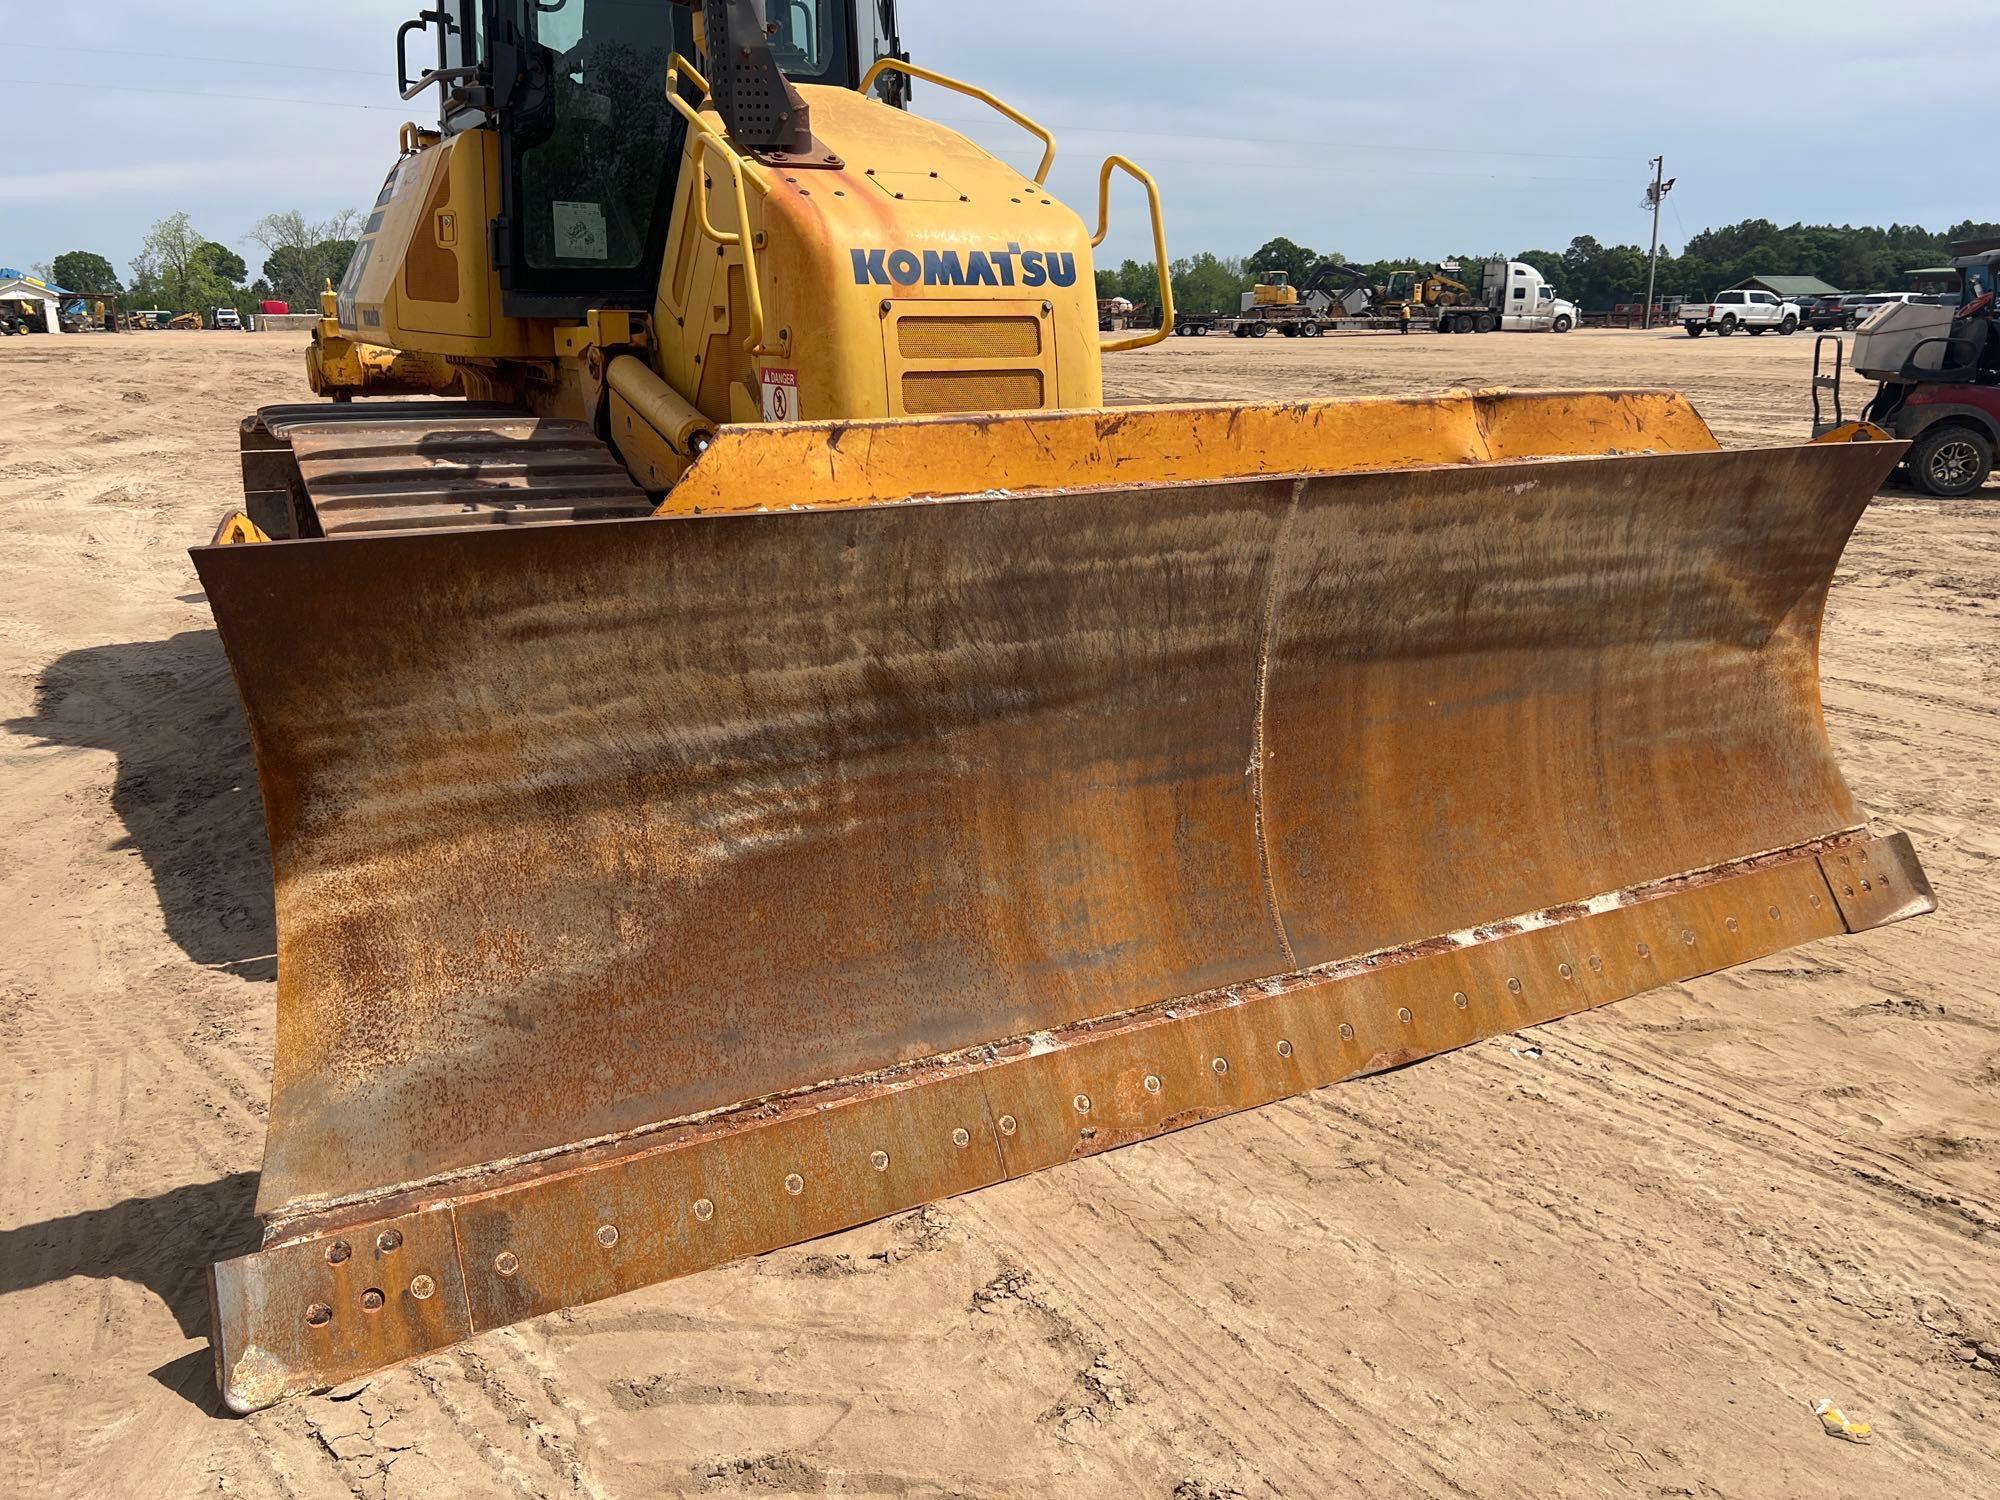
point(1625, 1265)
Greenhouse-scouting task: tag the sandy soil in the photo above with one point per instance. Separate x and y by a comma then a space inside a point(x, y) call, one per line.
point(1624, 1266)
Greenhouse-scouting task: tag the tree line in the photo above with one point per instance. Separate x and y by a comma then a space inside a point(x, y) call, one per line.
point(1593, 275)
point(179, 269)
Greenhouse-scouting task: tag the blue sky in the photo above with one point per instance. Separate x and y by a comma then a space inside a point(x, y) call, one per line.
point(1334, 125)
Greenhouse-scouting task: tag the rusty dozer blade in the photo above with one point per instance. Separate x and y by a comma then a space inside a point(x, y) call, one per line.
point(656, 892)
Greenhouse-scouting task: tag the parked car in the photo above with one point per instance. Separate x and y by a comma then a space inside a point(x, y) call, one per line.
point(1823, 311)
point(1856, 307)
point(1749, 310)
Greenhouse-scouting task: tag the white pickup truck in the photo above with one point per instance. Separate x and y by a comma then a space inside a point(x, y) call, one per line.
point(1751, 311)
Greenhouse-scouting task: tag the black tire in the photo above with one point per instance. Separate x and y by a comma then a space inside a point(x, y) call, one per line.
point(1726, 327)
point(1462, 323)
point(1562, 324)
point(1950, 460)
point(1850, 324)
point(1290, 330)
point(1243, 330)
point(1259, 330)
point(1756, 332)
point(1695, 330)
point(1789, 327)
point(1488, 323)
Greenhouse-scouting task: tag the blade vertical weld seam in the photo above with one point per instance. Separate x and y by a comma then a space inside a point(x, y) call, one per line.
point(1269, 629)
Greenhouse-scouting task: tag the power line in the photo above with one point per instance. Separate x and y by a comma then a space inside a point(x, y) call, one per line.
point(1177, 135)
point(136, 88)
point(1331, 169)
point(234, 62)
point(1265, 140)
point(1310, 167)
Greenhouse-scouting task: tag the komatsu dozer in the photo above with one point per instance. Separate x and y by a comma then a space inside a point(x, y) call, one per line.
point(752, 743)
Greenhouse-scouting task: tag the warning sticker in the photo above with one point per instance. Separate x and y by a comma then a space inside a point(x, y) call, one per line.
point(579, 229)
point(781, 395)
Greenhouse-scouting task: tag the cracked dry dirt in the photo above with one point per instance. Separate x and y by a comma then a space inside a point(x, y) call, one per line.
point(1623, 1266)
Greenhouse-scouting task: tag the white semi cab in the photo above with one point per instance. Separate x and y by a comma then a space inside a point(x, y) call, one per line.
point(1513, 297)
point(1525, 300)
point(1751, 311)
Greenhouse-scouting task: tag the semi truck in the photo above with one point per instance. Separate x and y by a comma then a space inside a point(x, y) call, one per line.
point(1512, 296)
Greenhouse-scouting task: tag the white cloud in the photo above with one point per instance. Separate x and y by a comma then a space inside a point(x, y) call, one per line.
point(1415, 129)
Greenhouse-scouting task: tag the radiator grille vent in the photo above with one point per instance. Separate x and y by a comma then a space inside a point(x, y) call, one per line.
point(969, 338)
point(929, 393)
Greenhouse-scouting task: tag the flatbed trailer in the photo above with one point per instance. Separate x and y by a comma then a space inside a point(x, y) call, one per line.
point(1291, 322)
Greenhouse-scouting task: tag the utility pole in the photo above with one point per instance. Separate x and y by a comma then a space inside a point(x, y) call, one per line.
point(1659, 188)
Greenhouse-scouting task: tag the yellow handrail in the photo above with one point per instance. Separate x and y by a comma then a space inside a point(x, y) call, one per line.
point(1039, 131)
point(1145, 179)
point(708, 138)
point(677, 67)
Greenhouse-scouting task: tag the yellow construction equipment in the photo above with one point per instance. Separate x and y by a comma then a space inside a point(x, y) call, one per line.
point(775, 750)
point(1272, 289)
point(1420, 289)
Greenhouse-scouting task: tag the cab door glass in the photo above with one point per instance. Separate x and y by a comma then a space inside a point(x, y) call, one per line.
point(799, 37)
point(464, 34)
point(876, 20)
point(592, 165)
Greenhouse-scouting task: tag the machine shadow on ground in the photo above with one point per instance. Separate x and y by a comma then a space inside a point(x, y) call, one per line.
point(186, 786)
point(165, 1243)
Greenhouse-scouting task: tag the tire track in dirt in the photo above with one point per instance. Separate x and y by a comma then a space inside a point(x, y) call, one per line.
point(1618, 1269)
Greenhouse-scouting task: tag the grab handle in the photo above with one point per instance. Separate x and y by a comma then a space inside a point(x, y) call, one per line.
point(1038, 131)
point(1166, 278)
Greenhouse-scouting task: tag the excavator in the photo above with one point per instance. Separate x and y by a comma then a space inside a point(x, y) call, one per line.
point(1271, 289)
point(751, 742)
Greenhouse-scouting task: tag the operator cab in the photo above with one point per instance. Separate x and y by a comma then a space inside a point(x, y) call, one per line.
point(590, 150)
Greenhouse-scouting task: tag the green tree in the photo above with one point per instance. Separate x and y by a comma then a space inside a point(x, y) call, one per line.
point(1207, 283)
point(1548, 263)
point(84, 271)
point(330, 258)
point(175, 270)
point(1281, 254)
point(225, 262)
point(302, 257)
point(1139, 283)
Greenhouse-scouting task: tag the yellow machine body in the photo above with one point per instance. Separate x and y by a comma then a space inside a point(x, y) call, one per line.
point(1274, 289)
point(921, 276)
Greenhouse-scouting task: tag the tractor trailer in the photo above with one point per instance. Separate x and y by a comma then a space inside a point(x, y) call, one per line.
point(1512, 296)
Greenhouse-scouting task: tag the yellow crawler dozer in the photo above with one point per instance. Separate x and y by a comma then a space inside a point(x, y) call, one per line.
point(772, 749)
